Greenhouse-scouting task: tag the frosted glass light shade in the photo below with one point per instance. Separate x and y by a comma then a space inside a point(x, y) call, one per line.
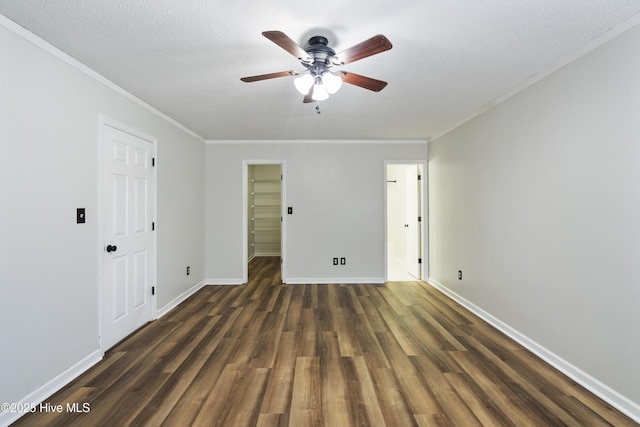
point(331, 82)
point(303, 83)
point(319, 92)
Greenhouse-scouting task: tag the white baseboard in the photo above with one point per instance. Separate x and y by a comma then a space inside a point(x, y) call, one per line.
point(223, 282)
point(51, 387)
point(606, 393)
point(177, 300)
point(331, 280)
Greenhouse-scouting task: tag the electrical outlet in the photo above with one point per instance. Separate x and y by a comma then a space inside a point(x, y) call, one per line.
point(343, 261)
point(459, 274)
point(335, 261)
point(188, 270)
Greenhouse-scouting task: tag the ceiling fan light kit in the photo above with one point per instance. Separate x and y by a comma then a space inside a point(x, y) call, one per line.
point(320, 85)
point(318, 81)
point(320, 92)
point(303, 83)
point(332, 82)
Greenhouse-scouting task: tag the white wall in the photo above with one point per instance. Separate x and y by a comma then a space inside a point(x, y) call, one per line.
point(336, 190)
point(49, 114)
point(538, 202)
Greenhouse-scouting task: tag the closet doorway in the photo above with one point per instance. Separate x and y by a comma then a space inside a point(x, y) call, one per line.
point(264, 218)
point(404, 221)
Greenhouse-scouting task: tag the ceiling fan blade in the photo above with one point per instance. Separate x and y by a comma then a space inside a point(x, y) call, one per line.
point(372, 46)
point(269, 76)
point(362, 81)
point(285, 42)
point(307, 98)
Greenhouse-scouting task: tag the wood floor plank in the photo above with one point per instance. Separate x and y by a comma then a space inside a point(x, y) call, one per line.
point(453, 406)
point(306, 403)
point(217, 403)
point(188, 405)
point(235, 401)
point(519, 384)
point(587, 404)
point(272, 420)
point(499, 394)
point(293, 320)
point(335, 411)
point(412, 387)
point(268, 340)
point(352, 299)
point(343, 321)
point(392, 403)
point(308, 334)
point(370, 306)
point(398, 328)
point(443, 337)
point(181, 379)
point(396, 304)
point(268, 354)
point(277, 398)
point(370, 402)
point(483, 408)
point(281, 304)
point(368, 343)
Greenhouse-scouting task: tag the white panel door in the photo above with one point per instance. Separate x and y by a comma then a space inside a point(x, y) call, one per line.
point(128, 247)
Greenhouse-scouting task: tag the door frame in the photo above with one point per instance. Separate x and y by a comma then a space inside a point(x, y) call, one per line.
point(245, 216)
point(102, 122)
point(424, 209)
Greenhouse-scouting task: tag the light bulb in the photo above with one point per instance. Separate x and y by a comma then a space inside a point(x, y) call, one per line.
point(319, 91)
point(303, 83)
point(331, 82)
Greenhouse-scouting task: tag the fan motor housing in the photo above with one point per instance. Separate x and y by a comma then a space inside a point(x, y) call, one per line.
point(318, 48)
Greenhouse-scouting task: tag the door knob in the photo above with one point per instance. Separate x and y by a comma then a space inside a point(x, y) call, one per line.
point(112, 248)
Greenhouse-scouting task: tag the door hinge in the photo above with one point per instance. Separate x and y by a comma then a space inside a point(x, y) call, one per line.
point(280, 260)
point(153, 290)
point(153, 226)
point(419, 219)
point(153, 162)
point(419, 177)
point(419, 260)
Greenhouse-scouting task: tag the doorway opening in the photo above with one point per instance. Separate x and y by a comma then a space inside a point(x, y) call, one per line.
point(404, 221)
point(264, 225)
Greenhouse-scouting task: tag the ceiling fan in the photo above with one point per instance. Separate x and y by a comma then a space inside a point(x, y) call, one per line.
point(318, 81)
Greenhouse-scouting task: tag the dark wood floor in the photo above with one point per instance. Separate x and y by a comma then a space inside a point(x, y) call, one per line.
point(268, 354)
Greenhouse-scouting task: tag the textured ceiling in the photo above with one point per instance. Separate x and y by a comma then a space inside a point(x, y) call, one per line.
point(450, 58)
